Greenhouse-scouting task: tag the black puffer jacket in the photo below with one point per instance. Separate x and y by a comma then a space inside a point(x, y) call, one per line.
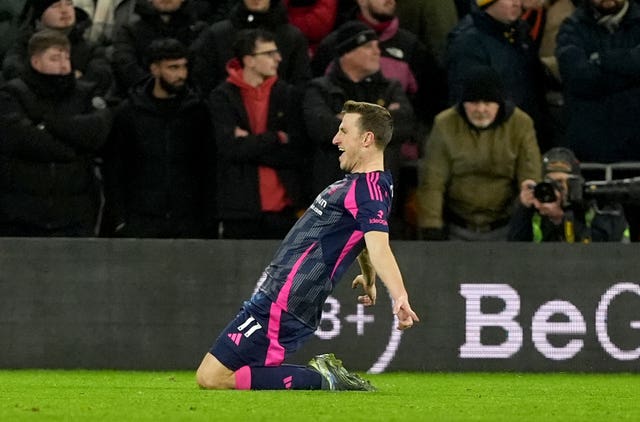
point(50, 130)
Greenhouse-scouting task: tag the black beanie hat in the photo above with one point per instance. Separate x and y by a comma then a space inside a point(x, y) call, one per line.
point(39, 6)
point(352, 35)
point(560, 160)
point(482, 83)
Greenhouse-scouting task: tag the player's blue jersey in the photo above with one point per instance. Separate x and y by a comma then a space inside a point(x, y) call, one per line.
point(325, 241)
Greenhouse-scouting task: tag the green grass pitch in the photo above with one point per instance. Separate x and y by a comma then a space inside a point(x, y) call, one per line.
point(50, 395)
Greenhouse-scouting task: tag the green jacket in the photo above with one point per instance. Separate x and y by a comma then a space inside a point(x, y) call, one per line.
point(476, 174)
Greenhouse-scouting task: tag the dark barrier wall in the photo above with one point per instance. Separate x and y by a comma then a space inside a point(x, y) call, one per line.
point(158, 304)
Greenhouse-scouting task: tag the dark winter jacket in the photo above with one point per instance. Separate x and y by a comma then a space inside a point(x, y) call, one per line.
point(478, 39)
point(86, 57)
point(213, 49)
point(239, 158)
point(156, 161)
point(323, 101)
point(50, 130)
point(132, 40)
point(601, 76)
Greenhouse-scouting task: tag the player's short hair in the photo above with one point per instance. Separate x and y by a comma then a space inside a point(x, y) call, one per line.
point(373, 118)
point(45, 39)
point(165, 49)
point(245, 41)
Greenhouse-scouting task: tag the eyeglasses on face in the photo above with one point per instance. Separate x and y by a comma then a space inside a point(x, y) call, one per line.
point(270, 53)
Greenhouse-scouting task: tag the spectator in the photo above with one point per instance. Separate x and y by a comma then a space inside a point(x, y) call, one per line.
point(355, 75)
point(494, 35)
point(540, 216)
point(158, 19)
point(88, 59)
point(315, 18)
point(477, 153)
point(51, 127)
point(107, 17)
point(156, 159)
point(598, 51)
point(257, 131)
point(213, 49)
point(403, 57)
point(431, 21)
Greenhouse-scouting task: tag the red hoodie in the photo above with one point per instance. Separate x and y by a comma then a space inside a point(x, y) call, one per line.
point(273, 195)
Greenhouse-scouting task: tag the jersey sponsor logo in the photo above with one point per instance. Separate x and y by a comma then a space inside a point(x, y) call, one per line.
point(318, 205)
point(379, 220)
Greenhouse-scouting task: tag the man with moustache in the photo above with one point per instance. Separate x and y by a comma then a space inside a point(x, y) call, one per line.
point(477, 155)
point(155, 160)
point(157, 19)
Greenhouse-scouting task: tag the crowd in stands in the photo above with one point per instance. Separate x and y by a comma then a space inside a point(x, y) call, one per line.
point(215, 118)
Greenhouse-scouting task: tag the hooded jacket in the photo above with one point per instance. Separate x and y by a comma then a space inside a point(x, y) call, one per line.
point(157, 158)
point(239, 158)
point(475, 173)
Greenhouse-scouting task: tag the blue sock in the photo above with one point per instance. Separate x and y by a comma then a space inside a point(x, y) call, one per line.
point(284, 377)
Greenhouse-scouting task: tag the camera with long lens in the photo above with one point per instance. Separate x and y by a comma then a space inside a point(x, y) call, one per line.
point(578, 191)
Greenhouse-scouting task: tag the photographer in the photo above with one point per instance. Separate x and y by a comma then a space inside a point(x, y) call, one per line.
point(545, 212)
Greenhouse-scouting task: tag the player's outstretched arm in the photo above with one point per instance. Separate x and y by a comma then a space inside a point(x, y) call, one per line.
point(367, 279)
point(385, 265)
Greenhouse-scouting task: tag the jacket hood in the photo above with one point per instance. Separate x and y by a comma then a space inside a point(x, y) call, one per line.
point(235, 78)
point(506, 110)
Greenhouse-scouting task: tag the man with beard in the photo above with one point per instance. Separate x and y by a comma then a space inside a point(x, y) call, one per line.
point(158, 19)
point(156, 159)
point(598, 55)
point(478, 153)
point(51, 127)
